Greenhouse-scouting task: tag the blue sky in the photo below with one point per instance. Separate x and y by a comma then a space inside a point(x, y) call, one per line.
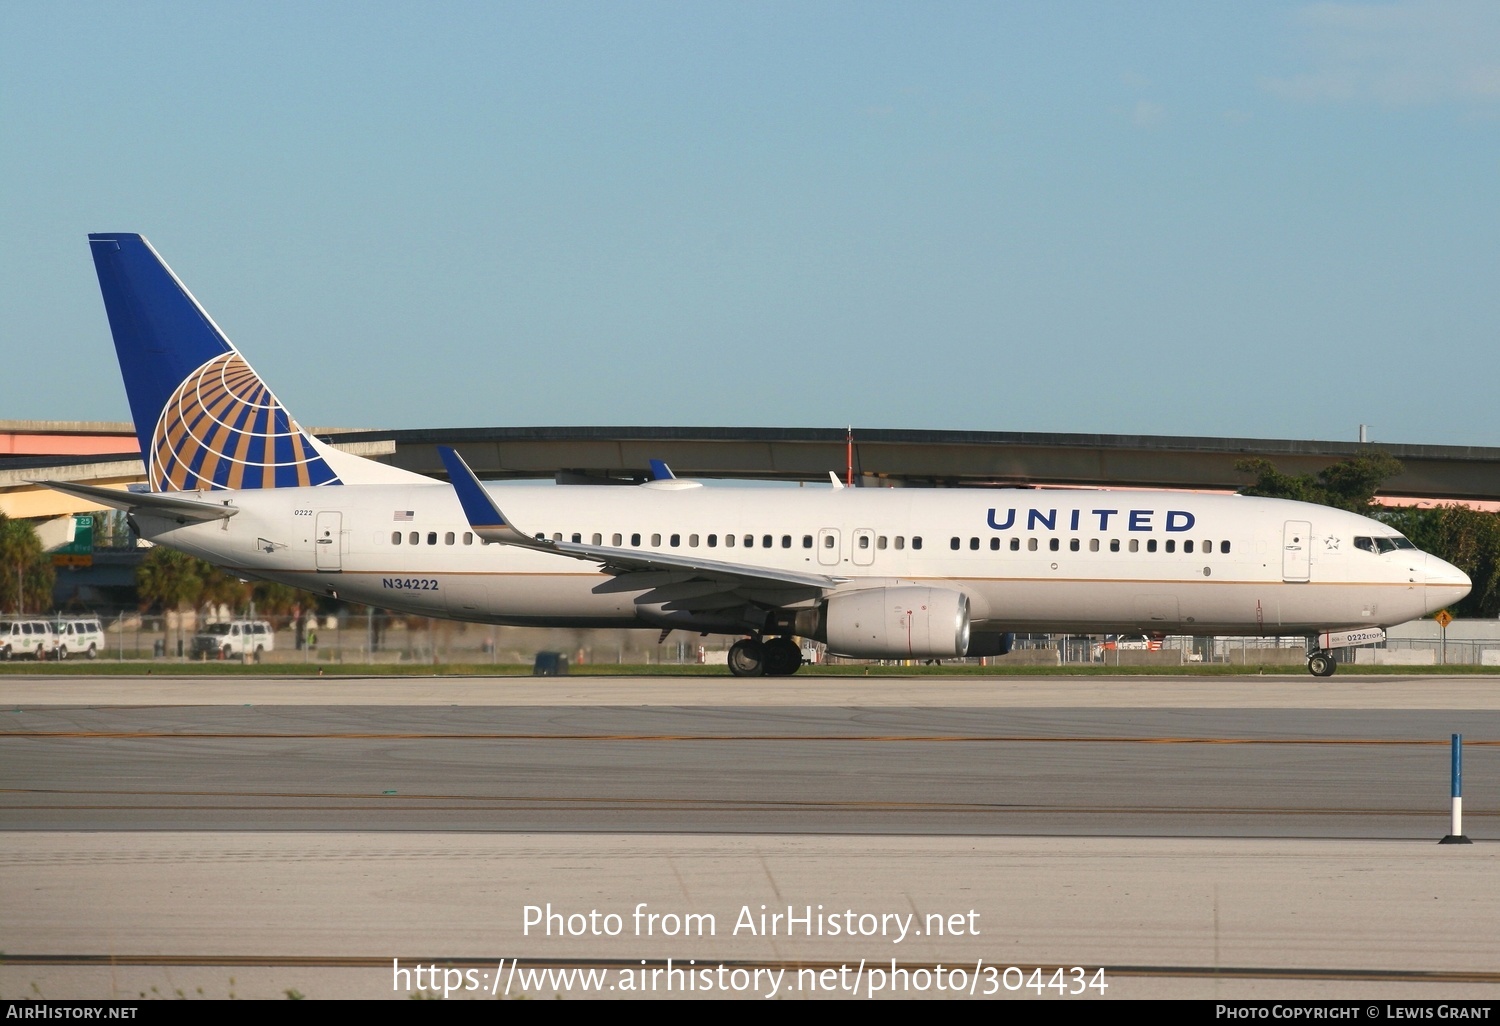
point(1247, 219)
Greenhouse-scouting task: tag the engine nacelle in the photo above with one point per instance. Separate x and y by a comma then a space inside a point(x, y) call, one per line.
point(898, 623)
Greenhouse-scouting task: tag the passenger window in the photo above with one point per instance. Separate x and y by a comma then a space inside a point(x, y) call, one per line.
point(599, 539)
point(557, 536)
point(468, 537)
point(994, 544)
point(916, 542)
point(1150, 544)
point(1030, 544)
point(675, 540)
point(807, 541)
point(635, 539)
point(1208, 546)
point(1135, 545)
point(449, 538)
point(953, 544)
point(395, 537)
point(1171, 544)
point(1072, 544)
point(431, 537)
point(1114, 545)
point(713, 541)
point(577, 538)
point(729, 541)
point(786, 541)
point(1093, 544)
point(1187, 546)
point(765, 541)
point(973, 544)
point(900, 541)
point(1015, 545)
point(880, 542)
point(693, 541)
point(1223, 546)
point(656, 541)
point(1053, 544)
point(414, 538)
point(864, 541)
point(827, 541)
point(616, 540)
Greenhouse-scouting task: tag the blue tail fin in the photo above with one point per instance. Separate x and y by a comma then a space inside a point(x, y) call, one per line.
point(204, 418)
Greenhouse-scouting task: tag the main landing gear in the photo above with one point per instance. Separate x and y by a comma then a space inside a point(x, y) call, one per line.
point(1321, 664)
point(752, 657)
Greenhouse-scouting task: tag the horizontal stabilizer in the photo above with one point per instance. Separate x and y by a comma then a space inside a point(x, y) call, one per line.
point(173, 507)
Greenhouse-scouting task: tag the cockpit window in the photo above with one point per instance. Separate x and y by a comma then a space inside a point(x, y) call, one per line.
point(1382, 544)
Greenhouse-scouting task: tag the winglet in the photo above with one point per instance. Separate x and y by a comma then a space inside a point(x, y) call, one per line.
point(837, 484)
point(661, 472)
point(479, 509)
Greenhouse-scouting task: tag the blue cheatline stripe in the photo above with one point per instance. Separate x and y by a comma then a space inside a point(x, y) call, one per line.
point(1458, 765)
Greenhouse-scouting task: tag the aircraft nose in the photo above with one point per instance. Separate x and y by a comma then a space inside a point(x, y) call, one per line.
point(1446, 583)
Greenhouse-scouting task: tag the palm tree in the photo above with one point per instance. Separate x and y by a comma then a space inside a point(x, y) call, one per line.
point(26, 576)
point(170, 579)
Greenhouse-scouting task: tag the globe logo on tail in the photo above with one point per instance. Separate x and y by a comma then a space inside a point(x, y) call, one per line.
point(223, 428)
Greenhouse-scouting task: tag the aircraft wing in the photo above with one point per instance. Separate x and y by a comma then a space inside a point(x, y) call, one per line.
point(491, 524)
point(173, 507)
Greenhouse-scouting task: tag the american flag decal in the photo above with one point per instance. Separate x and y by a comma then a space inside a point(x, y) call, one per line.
point(404, 514)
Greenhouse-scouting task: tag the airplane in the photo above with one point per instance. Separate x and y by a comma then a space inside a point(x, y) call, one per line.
point(871, 573)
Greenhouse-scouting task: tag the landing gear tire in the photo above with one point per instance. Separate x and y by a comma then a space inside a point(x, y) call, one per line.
point(1321, 664)
point(783, 657)
point(747, 658)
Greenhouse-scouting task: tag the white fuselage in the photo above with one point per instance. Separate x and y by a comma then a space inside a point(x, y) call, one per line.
point(1028, 560)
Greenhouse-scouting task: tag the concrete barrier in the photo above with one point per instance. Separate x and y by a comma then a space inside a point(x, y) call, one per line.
point(1395, 657)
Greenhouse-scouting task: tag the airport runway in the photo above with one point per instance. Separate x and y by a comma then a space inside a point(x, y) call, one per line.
point(1206, 838)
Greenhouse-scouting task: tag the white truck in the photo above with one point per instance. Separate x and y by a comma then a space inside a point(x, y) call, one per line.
point(237, 639)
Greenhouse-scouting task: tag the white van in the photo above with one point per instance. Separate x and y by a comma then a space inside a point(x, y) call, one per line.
point(237, 639)
point(21, 639)
point(81, 636)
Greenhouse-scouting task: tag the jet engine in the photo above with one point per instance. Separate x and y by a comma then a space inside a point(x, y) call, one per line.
point(898, 623)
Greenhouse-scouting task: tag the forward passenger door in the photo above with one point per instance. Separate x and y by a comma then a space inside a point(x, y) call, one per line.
point(1296, 551)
